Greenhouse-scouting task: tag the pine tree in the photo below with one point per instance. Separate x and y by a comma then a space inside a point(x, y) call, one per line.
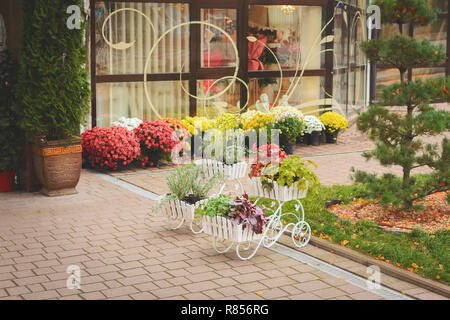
point(397, 135)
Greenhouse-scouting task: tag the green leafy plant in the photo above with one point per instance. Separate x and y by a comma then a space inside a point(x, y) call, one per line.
point(397, 134)
point(53, 88)
point(241, 211)
point(217, 206)
point(290, 129)
point(10, 136)
point(190, 183)
point(292, 169)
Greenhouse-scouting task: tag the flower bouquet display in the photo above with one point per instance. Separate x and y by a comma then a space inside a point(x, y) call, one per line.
point(334, 123)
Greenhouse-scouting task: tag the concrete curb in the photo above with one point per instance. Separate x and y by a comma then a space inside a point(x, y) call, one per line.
point(386, 268)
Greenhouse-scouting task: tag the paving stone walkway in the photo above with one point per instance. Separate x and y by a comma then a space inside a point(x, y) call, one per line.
point(125, 254)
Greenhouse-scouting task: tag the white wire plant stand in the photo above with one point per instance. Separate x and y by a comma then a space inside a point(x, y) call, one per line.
point(179, 212)
point(232, 173)
point(247, 242)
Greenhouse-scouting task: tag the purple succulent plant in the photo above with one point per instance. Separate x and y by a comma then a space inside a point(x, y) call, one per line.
point(245, 212)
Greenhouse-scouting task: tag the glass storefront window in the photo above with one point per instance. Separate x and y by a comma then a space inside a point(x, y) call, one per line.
point(308, 90)
point(217, 51)
point(289, 31)
point(129, 28)
point(227, 102)
point(128, 99)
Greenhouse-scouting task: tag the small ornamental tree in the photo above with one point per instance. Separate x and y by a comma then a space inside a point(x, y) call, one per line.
point(403, 113)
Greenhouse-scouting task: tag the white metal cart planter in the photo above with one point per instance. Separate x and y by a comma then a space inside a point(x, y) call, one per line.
point(230, 171)
point(180, 212)
point(223, 229)
point(280, 195)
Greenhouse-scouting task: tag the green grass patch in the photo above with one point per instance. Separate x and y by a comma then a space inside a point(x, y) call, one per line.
point(427, 254)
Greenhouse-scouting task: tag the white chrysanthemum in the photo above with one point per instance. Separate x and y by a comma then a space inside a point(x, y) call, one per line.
point(128, 123)
point(312, 124)
point(283, 112)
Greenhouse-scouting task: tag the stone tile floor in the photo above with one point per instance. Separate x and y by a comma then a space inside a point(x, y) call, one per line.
point(125, 254)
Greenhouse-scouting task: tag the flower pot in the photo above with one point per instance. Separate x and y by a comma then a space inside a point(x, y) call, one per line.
point(301, 139)
point(312, 139)
point(222, 228)
point(57, 165)
point(7, 180)
point(332, 136)
point(281, 193)
point(289, 148)
point(233, 171)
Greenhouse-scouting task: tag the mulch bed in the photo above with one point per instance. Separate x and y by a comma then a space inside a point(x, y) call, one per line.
point(435, 216)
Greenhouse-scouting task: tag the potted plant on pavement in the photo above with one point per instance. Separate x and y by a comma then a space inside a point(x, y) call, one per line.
point(10, 137)
point(313, 129)
point(157, 140)
point(334, 123)
point(290, 129)
point(53, 92)
point(284, 181)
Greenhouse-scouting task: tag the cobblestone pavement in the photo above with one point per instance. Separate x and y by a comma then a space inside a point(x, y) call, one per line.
point(125, 254)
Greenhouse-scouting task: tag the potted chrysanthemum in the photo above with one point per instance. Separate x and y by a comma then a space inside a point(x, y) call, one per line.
point(313, 129)
point(334, 123)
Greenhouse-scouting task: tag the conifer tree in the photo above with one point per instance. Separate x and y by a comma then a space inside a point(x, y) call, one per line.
point(53, 88)
point(403, 115)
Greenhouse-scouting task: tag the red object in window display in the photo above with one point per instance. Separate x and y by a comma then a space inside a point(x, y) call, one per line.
point(255, 49)
point(7, 181)
point(213, 59)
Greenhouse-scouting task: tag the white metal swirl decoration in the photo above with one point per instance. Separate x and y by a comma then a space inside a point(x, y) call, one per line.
point(318, 40)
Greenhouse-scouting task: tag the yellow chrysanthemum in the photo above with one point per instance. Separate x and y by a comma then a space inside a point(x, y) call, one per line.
point(333, 121)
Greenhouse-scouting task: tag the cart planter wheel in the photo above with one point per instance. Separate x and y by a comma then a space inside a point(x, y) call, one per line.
point(280, 193)
point(230, 171)
point(178, 210)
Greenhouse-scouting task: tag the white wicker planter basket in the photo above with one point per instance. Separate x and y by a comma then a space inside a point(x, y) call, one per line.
point(232, 171)
point(280, 193)
point(222, 228)
point(177, 209)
